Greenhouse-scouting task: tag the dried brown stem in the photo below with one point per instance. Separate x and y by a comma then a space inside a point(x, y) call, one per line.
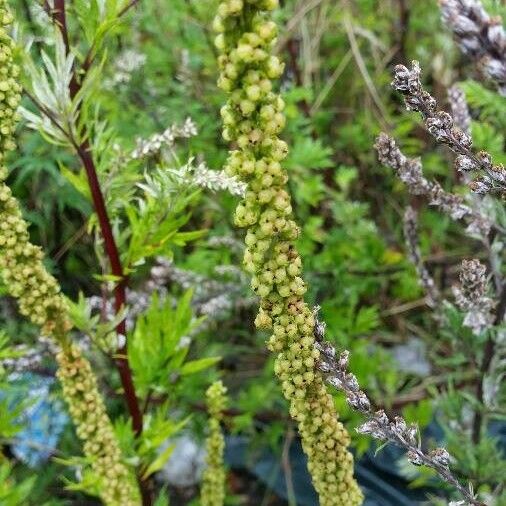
point(378, 424)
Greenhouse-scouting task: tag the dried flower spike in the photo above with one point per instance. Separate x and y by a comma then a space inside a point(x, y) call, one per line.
point(379, 426)
point(410, 172)
point(441, 125)
point(471, 296)
point(479, 36)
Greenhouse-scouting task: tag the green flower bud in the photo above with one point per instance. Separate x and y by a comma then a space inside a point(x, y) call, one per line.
point(254, 92)
point(267, 30)
point(263, 320)
point(235, 7)
point(274, 67)
point(244, 53)
point(247, 107)
point(219, 42)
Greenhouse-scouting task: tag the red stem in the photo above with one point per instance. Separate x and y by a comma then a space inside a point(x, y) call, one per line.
point(120, 288)
point(59, 17)
point(111, 248)
point(84, 153)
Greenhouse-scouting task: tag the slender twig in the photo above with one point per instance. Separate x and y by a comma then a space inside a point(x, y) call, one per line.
point(402, 29)
point(359, 60)
point(378, 424)
point(127, 7)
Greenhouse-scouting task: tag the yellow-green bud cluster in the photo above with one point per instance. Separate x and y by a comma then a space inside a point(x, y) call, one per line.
point(115, 483)
point(40, 299)
point(10, 90)
point(253, 118)
point(21, 262)
point(213, 482)
point(23, 271)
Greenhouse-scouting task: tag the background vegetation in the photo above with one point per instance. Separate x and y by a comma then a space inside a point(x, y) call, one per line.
point(155, 68)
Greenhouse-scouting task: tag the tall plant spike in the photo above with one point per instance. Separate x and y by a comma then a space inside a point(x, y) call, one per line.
point(253, 118)
point(40, 300)
point(213, 487)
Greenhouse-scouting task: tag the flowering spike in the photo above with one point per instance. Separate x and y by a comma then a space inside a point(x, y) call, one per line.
point(253, 117)
point(40, 300)
point(213, 488)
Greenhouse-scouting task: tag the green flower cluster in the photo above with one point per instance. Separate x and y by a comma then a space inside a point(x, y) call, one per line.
point(21, 262)
point(213, 487)
point(40, 300)
point(253, 117)
point(115, 483)
point(24, 273)
point(10, 90)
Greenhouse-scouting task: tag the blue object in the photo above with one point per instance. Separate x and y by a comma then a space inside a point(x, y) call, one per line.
point(43, 420)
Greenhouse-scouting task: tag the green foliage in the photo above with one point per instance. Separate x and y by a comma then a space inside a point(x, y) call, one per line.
point(154, 224)
point(492, 107)
point(152, 68)
point(13, 493)
point(157, 351)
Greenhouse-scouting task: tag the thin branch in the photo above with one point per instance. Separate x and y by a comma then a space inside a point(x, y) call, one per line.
point(127, 7)
point(363, 70)
point(378, 424)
